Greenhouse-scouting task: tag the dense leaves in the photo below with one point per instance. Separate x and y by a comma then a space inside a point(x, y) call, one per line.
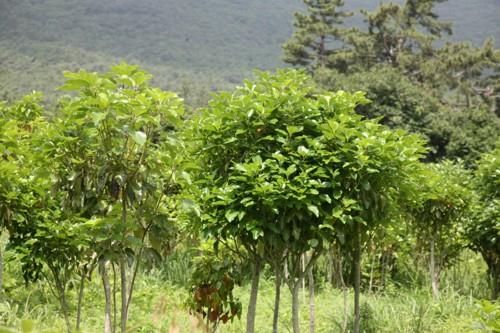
point(484, 230)
point(291, 168)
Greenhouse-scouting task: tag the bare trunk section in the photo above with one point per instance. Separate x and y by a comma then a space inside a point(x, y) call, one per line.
point(312, 316)
point(113, 293)
point(295, 306)
point(303, 279)
point(123, 279)
point(344, 292)
point(1, 269)
point(329, 267)
point(433, 270)
point(371, 272)
point(134, 275)
point(107, 296)
point(80, 302)
point(252, 304)
point(123, 275)
point(383, 270)
point(62, 299)
point(495, 275)
point(357, 278)
point(277, 296)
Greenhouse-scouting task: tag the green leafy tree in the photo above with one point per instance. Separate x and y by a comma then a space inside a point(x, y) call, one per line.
point(16, 123)
point(44, 237)
point(114, 152)
point(440, 211)
point(249, 141)
point(483, 230)
point(290, 169)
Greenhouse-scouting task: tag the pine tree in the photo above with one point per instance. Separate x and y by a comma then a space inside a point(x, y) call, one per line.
point(465, 70)
point(415, 83)
point(317, 32)
point(398, 35)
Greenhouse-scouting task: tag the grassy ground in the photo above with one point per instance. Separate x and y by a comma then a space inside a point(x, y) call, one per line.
point(158, 307)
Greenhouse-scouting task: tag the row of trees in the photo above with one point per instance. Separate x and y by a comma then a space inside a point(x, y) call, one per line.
point(289, 170)
point(278, 172)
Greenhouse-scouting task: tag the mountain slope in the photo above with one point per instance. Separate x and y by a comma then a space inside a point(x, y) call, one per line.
point(213, 41)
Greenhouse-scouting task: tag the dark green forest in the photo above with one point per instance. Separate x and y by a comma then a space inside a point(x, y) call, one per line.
point(218, 166)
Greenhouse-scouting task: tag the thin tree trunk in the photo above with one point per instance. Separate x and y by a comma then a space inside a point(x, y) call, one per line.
point(123, 274)
point(383, 269)
point(123, 279)
point(252, 304)
point(134, 275)
point(115, 311)
point(80, 302)
point(303, 279)
point(1, 270)
point(357, 278)
point(107, 297)
point(277, 295)
point(329, 267)
point(312, 317)
point(494, 282)
point(371, 272)
point(433, 270)
point(62, 297)
point(346, 312)
point(295, 306)
point(344, 292)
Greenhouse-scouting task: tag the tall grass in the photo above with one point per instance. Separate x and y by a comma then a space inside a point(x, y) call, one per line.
point(159, 304)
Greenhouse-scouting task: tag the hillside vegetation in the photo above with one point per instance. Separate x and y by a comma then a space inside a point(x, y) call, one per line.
point(176, 191)
point(195, 43)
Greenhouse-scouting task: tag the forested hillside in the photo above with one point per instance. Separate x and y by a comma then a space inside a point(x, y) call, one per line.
point(186, 44)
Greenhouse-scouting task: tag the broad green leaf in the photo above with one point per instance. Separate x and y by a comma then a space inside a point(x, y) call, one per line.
point(231, 215)
point(313, 242)
point(139, 137)
point(314, 209)
point(303, 150)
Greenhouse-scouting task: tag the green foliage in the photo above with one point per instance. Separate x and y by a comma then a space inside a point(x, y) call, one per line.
point(212, 284)
point(395, 100)
point(442, 206)
point(96, 183)
point(369, 323)
point(483, 230)
point(287, 169)
point(413, 79)
point(281, 150)
point(27, 326)
point(191, 47)
point(462, 134)
point(398, 35)
point(114, 148)
point(488, 315)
